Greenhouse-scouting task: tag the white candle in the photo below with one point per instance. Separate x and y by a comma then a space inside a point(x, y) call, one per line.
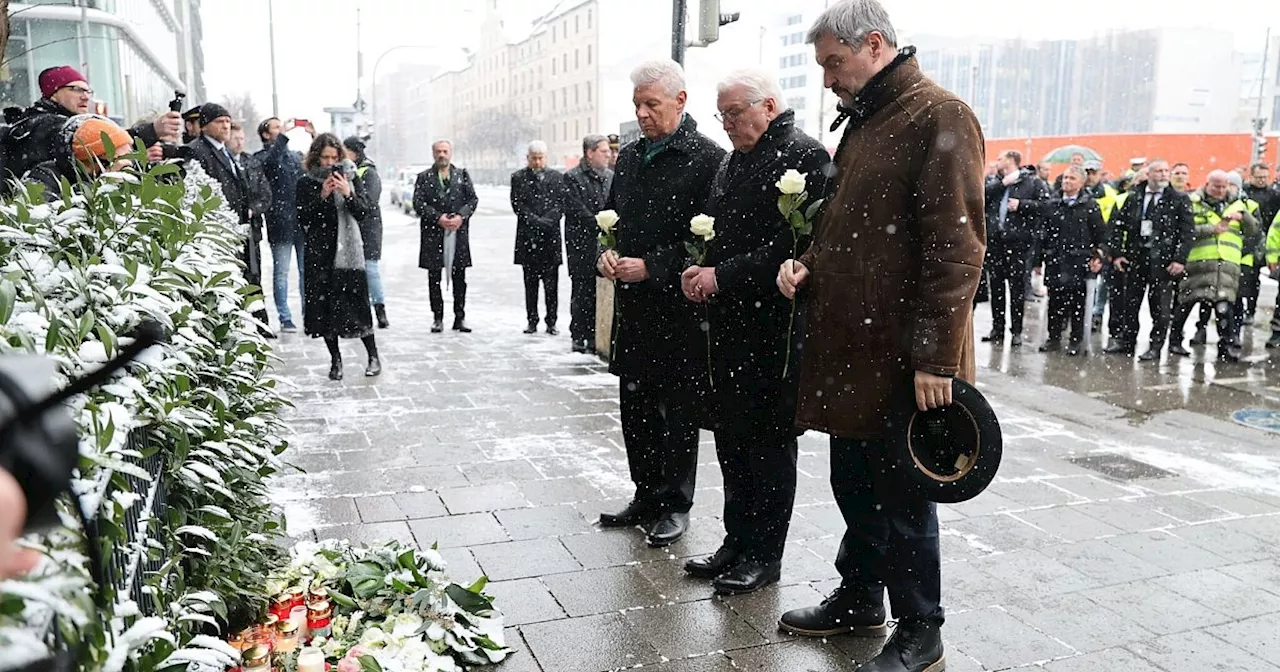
point(299, 615)
point(311, 660)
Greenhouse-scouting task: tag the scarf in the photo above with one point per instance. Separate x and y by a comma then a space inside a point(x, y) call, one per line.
point(349, 254)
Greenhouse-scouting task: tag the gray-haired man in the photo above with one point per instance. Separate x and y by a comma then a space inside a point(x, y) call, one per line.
point(537, 198)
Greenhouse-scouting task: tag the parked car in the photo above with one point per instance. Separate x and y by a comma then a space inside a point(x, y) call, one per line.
point(401, 190)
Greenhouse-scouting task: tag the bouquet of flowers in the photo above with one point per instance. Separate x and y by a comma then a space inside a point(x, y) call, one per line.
point(393, 608)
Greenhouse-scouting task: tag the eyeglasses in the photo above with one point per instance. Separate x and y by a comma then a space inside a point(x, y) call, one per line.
point(732, 115)
point(80, 90)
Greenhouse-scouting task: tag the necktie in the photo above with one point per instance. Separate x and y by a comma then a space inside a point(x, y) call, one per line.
point(235, 170)
point(1004, 207)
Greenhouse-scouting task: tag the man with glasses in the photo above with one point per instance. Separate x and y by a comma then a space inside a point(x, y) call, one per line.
point(64, 94)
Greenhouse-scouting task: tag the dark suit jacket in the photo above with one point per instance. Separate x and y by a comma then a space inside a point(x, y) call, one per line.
point(235, 189)
point(538, 201)
point(431, 200)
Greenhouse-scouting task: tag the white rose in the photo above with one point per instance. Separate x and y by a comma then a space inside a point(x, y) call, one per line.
point(606, 220)
point(792, 182)
point(703, 226)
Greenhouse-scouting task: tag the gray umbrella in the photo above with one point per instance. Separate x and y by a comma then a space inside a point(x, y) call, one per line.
point(450, 244)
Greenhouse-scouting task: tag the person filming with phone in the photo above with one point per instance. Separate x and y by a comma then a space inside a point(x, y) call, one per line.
point(283, 168)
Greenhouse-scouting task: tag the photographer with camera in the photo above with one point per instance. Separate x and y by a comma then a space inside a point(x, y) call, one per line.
point(35, 135)
point(332, 201)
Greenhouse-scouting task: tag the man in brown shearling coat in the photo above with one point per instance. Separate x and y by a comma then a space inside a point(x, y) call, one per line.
point(890, 278)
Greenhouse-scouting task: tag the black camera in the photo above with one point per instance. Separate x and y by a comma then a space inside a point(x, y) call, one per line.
point(39, 442)
point(175, 105)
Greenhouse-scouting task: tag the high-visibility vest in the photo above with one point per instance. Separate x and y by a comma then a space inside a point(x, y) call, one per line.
point(1112, 199)
point(1247, 258)
point(1227, 246)
point(1273, 242)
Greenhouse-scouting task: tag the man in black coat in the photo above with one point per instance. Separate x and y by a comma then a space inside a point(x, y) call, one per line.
point(1151, 236)
point(213, 154)
point(445, 199)
point(284, 235)
point(537, 198)
point(586, 190)
point(258, 194)
point(753, 406)
point(662, 181)
point(1010, 235)
point(1072, 241)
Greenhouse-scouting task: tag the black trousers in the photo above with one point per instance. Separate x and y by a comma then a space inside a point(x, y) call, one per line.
point(1008, 276)
point(891, 539)
point(549, 278)
point(459, 281)
point(582, 309)
point(757, 453)
point(1115, 297)
point(660, 431)
point(1226, 310)
point(1066, 308)
point(1159, 289)
point(252, 257)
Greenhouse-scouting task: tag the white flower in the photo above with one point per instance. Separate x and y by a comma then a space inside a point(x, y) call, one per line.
point(792, 182)
point(703, 226)
point(606, 220)
point(406, 625)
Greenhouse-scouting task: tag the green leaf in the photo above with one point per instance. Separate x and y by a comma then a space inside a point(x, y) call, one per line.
point(164, 169)
point(366, 579)
point(342, 600)
point(470, 602)
point(53, 338)
point(693, 252)
point(11, 605)
point(8, 297)
point(814, 207)
point(478, 586)
point(369, 664)
point(797, 220)
point(784, 206)
point(86, 325)
point(108, 339)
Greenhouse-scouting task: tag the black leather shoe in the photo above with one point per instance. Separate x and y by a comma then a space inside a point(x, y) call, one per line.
point(552, 331)
point(380, 311)
point(1118, 348)
point(335, 370)
point(1274, 341)
point(1051, 346)
point(437, 326)
point(635, 513)
point(1075, 350)
point(842, 611)
point(1151, 355)
point(374, 368)
point(667, 529)
point(713, 565)
point(1228, 353)
point(1201, 337)
point(580, 346)
point(461, 326)
point(1016, 341)
point(914, 646)
point(1179, 350)
point(532, 329)
point(996, 336)
point(747, 577)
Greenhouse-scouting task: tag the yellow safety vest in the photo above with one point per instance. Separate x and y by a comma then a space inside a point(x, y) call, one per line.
point(1273, 242)
point(1111, 199)
point(1227, 246)
point(1247, 258)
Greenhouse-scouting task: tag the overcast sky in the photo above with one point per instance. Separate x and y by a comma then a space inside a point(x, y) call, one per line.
point(315, 39)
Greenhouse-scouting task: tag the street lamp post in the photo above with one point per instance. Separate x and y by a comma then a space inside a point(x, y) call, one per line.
point(271, 37)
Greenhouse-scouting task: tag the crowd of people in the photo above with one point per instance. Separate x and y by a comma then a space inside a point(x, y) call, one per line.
point(1149, 234)
point(321, 207)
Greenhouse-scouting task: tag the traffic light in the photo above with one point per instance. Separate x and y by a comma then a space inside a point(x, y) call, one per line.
point(710, 19)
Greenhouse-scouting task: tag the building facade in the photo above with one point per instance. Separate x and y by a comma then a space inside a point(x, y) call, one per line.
point(401, 119)
point(135, 53)
point(1145, 81)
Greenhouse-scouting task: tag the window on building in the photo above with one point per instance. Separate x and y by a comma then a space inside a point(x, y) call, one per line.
point(588, 54)
point(553, 132)
point(577, 25)
point(797, 103)
point(797, 82)
point(588, 18)
point(794, 19)
point(1275, 115)
point(539, 105)
point(588, 87)
point(576, 64)
point(553, 34)
point(577, 132)
point(564, 67)
point(566, 130)
point(553, 67)
point(564, 93)
point(576, 100)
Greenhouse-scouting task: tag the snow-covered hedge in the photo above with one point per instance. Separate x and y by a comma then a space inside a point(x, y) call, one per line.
point(76, 277)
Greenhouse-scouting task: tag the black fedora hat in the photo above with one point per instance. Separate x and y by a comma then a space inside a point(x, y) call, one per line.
point(948, 454)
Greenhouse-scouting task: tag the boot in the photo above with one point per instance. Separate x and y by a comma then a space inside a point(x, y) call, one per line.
point(1274, 341)
point(1051, 346)
point(1119, 348)
point(460, 326)
point(1228, 352)
point(1201, 336)
point(533, 327)
point(844, 610)
point(381, 311)
point(996, 336)
point(1179, 350)
point(1016, 341)
point(335, 369)
point(374, 368)
point(437, 326)
point(551, 329)
point(914, 646)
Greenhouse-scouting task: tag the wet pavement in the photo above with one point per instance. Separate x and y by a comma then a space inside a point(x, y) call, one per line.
point(1133, 526)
